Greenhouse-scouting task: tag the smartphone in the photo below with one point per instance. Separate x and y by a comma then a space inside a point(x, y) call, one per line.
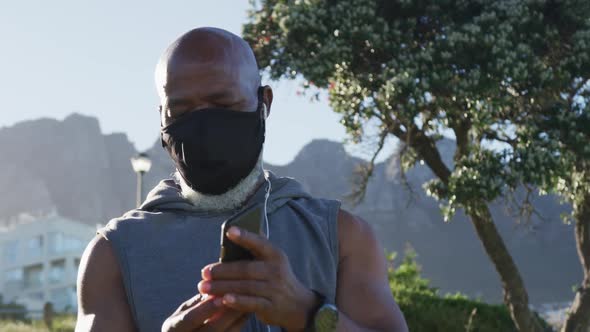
point(251, 219)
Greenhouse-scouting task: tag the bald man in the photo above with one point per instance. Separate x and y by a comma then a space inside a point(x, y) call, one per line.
point(315, 268)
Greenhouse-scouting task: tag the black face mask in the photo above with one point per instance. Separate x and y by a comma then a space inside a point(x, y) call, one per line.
point(215, 148)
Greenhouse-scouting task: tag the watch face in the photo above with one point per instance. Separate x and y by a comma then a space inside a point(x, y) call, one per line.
point(326, 319)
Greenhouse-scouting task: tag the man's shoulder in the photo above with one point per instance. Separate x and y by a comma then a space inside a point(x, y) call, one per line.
point(354, 234)
point(99, 256)
point(128, 218)
point(352, 223)
point(102, 301)
point(99, 267)
point(129, 222)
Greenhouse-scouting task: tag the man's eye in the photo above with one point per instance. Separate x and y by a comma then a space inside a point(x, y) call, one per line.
point(175, 113)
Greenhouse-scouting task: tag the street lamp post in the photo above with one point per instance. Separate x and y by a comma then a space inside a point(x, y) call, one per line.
point(141, 165)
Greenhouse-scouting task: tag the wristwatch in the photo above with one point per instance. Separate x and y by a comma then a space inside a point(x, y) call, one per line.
point(325, 317)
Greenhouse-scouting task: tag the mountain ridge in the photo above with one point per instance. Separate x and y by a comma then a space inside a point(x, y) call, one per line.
point(48, 164)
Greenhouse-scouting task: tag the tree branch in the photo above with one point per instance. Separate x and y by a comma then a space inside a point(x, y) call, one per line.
point(494, 136)
point(424, 145)
point(364, 173)
point(462, 134)
point(403, 176)
point(579, 313)
point(426, 148)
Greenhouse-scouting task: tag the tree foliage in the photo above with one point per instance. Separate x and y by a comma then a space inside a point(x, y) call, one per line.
point(552, 152)
point(487, 73)
point(432, 68)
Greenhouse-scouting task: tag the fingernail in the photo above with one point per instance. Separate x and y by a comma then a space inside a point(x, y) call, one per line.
point(204, 287)
point(206, 272)
point(234, 232)
point(228, 298)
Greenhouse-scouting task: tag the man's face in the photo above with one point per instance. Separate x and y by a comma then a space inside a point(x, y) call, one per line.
point(190, 86)
point(209, 68)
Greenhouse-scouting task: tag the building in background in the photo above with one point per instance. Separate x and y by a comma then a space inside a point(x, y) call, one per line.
point(39, 260)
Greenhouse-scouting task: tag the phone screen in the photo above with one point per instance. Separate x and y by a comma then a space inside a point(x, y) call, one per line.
point(251, 219)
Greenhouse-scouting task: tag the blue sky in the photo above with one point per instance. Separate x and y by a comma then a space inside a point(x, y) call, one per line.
point(97, 58)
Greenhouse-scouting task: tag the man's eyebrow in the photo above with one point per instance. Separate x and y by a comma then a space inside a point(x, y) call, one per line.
point(173, 103)
point(219, 95)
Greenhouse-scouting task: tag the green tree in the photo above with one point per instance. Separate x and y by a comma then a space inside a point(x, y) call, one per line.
point(553, 153)
point(424, 69)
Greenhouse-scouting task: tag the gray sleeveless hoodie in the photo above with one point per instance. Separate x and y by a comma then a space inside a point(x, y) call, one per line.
point(162, 246)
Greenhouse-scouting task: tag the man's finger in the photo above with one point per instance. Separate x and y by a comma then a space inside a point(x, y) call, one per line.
point(245, 287)
point(247, 303)
point(258, 245)
point(241, 270)
point(194, 317)
point(189, 303)
point(224, 321)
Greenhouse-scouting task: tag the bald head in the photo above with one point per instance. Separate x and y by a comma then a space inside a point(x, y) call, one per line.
point(208, 67)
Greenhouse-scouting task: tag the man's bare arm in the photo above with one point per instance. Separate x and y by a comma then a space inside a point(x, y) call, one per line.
point(363, 294)
point(102, 302)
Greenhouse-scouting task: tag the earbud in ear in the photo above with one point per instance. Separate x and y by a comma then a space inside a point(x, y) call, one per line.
point(265, 110)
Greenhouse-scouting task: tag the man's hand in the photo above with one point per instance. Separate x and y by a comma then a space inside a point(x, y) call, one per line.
point(265, 286)
point(204, 316)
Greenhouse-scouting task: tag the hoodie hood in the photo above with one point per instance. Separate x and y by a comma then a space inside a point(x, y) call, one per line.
point(167, 195)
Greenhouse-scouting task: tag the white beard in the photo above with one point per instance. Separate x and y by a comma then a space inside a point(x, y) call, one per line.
point(229, 200)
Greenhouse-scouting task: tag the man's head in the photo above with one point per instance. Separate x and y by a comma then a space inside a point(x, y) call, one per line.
point(209, 88)
point(208, 67)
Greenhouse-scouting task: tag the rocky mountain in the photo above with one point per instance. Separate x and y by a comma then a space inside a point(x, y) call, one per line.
point(69, 166)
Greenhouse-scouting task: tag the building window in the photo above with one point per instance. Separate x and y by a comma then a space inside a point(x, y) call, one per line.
point(13, 279)
point(63, 299)
point(60, 243)
point(77, 265)
point(33, 276)
point(74, 244)
point(10, 252)
point(57, 271)
point(34, 247)
point(74, 297)
point(37, 296)
point(56, 242)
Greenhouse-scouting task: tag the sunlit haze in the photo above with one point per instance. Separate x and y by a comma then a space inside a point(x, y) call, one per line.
point(97, 58)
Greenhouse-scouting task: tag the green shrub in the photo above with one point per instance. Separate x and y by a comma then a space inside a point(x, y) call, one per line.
point(61, 323)
point(20, 326)
point(11, 310)
point(426, 310)
point(64, 323)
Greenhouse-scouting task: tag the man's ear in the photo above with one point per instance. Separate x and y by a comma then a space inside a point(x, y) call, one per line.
point(267, 98)
point(161, 125)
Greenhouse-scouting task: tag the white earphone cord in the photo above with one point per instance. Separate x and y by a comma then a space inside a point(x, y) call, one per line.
point(269, 187)
point(266, 196)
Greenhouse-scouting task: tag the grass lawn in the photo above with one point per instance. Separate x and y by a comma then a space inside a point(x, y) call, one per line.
point(65, 323)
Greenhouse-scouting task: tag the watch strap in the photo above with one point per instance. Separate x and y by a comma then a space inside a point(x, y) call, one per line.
point(310, 324)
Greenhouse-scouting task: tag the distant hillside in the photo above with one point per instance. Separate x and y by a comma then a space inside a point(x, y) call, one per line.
point(71, 167)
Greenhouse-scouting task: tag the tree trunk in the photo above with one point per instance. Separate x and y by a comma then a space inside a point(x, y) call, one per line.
point(515, 294)
point(578, 319)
